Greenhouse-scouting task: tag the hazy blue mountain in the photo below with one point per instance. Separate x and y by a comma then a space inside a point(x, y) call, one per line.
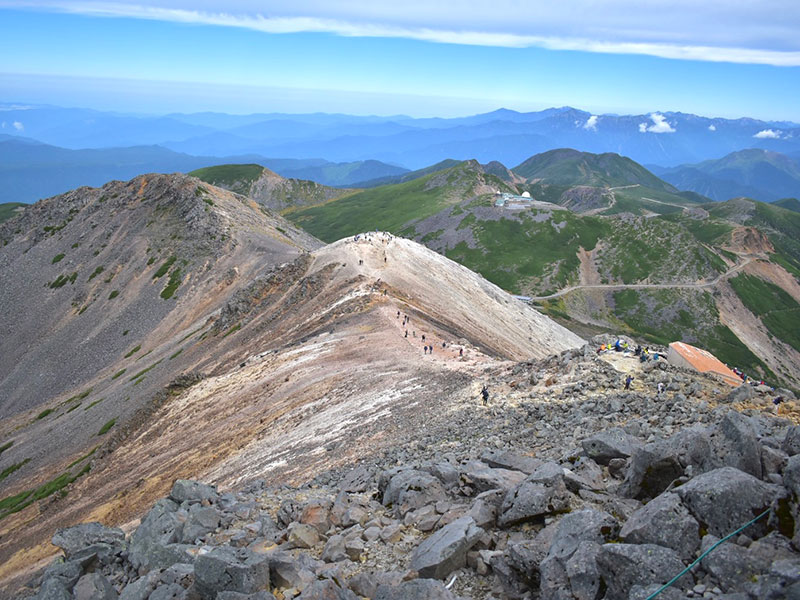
point(30, 170)
point(667, 139)
point(755, 173)
point(792, 204)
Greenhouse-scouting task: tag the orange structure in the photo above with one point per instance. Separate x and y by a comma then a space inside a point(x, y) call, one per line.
point(684, 355)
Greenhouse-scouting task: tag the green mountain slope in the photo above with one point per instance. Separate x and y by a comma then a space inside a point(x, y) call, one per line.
point(655, 274)
point(792, 204)
point(396, 207)
point(571, 167)
point(267, 188)
point(9, 209)
point(408, 176)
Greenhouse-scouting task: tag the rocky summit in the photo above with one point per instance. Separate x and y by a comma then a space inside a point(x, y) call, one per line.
point(563, 485)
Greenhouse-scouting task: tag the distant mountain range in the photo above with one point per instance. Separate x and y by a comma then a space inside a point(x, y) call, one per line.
point(756, 173)
point(31, 170)
point(666, 139)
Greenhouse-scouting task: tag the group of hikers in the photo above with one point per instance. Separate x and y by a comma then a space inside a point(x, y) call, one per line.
point(644, 354)
point(428, 347)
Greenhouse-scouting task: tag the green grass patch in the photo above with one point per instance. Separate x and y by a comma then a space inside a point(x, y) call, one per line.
point(113, 294)
point(63, 280)
point(233, 329)
point(9, 209)
point(151, 260)
point(118, 374)
point(208, 201)
point(6, 446)
point(104, 429)
point(172, 284)
point(133, 351)
point(176, 354)
point(58, 258)
point(11, 469)
point(83, 458)
point(13, 504)
point(44, 413)
point(235, 177)
point(145, 370)
point(80, 396)
point(73, 407)
point(162, 270)
point(95, 403)
point(779, 312)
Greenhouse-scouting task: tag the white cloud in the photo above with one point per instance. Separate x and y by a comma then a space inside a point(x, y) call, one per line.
point(660, 125)
point(713, 30)
point(18, 126)
point(591, 123)
point(712, 127)
point(768, 134)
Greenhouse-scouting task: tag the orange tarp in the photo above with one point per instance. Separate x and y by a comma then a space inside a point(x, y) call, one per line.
point(700, 360)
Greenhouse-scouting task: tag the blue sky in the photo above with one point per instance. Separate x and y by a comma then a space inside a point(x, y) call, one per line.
point(370, 58)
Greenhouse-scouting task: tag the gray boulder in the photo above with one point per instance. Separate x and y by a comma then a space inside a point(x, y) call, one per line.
point(446, 550)
point(503, 459)
point(483, 478)
point(140, 589)
point(66, 572)
point(773, 461)
point(736, 443)
point(326, 590)
point(74, 539)
point(184, 490)
point(626, 565)
point(226, 569)
point(740, 394)
point(417, 589)
point(791, 443)
point(412, 489)
point(168, 591)
point(444, 472)
point(356, 480)
point(609, 444)
point(160, 527)
point(666, 522)
point(586, 525)
point(94, 586)
point(260, 595)
point(334, 549)
point(53, 589)
point(288, 572)
point(542, 493)
point(656, 465)
point(366, 584)
point(202, 520)
point(727, 498)
point(791, 475)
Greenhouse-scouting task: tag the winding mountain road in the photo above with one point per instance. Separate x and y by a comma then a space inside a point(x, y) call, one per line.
point(645, 286)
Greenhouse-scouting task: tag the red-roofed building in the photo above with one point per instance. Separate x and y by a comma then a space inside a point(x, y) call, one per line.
point(684, 355)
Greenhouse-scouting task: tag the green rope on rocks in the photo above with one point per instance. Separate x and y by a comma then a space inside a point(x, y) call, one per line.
point(704, 554)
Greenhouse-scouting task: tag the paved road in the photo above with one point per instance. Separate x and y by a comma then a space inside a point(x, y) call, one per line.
point(646, 286)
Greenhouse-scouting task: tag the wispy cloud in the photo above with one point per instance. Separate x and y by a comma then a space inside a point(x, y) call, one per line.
point(716, 31)
point(768, 134)
point(591, 123)
point(660, 125)
point(18, 126)
point(712, 127)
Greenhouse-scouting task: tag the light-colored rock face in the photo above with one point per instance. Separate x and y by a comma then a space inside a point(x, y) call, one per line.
point(447, 292)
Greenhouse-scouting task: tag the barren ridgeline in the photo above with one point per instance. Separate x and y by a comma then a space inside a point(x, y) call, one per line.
point(184, 331)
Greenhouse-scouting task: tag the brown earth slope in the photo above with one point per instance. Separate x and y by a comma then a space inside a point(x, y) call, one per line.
point(304, 364)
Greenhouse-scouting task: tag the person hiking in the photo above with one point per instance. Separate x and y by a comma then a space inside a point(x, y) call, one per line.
point(628, 380)
point(461, 352)
point(485, 395)
point(660, 387)
point(424, 349)
point(423, 337)
point(776, 403)
point(406, 335)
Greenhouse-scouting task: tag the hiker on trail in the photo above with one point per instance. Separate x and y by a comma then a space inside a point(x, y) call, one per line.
point(776, 403)
point(638, 350)
point(423, 337)
point(398, 314)
point(414, 333)
point(406, 335)
point(660, 387)
point(485, 395)
point(461, 352)
point(443, 345)
point(424, 349)
point(618, 346)
point(628, 380)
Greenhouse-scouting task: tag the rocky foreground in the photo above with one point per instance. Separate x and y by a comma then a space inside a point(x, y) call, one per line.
point(564, 486)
